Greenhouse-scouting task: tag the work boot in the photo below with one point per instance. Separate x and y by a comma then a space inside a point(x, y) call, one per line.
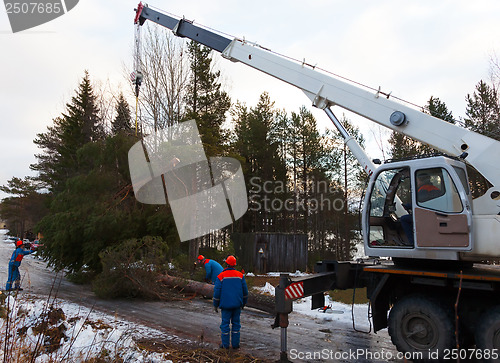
point(223, 347)
point(18, 288)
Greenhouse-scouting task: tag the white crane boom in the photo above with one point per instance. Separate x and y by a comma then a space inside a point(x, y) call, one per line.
point(325, 90)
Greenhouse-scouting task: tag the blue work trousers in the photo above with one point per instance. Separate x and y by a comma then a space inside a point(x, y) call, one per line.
point(230, 316)
point(407, 225)
point(14, 276)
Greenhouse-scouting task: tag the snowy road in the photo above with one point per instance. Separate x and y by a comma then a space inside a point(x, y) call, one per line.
point(318, 337)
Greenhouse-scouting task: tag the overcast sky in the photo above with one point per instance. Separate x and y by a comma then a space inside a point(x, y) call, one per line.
point(413, 49)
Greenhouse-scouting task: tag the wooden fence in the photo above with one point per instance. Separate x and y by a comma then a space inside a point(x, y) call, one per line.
point(271, 252)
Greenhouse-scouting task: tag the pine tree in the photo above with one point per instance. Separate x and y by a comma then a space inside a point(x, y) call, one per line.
point(307, 159)
point(483, 110)
point(121, 122)
point(206, 102)
point(482, 116)
point(69, 132)
point(355, 179)
point(256, 140)
point(435, 107)
point(404, 146)
point(24, 207)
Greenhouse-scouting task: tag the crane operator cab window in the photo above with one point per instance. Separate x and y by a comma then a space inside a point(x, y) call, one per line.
point(436, 190)
point(390, 194)
point(426, 210)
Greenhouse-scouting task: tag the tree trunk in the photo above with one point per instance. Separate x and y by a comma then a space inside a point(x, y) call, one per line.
point(256, 301)
point(193, 249)
point(345, 249)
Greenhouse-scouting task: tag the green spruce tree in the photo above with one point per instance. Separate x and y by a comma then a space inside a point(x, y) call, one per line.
point(121, 122)
point(69, 132)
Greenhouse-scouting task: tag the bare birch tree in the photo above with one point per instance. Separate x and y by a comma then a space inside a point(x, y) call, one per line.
point(165, 70)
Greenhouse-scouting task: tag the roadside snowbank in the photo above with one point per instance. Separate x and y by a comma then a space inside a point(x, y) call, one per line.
point(68, 332)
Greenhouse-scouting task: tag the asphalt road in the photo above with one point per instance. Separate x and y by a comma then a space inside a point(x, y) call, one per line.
point(309, 339)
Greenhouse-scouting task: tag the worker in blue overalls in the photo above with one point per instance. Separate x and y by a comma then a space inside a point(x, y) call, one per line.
point(230, 295)
point(14, 263)
point(212, 269)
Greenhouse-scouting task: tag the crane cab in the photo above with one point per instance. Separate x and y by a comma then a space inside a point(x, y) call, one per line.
point(419, 208)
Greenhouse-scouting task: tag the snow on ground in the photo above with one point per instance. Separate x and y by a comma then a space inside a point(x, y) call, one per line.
point(359, 252)
point(72, 333)
point(85, 334)
point(267, 289)
point(336, 311)
point(293, 274)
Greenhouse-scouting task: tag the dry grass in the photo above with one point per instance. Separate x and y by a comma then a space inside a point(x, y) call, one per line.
point(178, 353)
point(50, 330)
point(345, 296)
point(260, 281)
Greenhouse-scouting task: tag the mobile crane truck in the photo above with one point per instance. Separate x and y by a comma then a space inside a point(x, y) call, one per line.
point(426, 281)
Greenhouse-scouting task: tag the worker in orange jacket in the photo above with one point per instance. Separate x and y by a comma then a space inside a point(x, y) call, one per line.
point(230, 295)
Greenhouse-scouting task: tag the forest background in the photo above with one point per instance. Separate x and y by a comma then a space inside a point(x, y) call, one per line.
point(300, 180)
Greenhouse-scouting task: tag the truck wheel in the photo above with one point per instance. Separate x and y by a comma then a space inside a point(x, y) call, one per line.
point(420, 324)
point(488, 331)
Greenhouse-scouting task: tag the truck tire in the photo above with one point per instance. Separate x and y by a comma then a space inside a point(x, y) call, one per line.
point(421, 324)
point(488, 333)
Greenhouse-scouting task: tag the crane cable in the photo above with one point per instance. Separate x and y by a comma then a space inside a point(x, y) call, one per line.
point(137, 74)
point(136, 109)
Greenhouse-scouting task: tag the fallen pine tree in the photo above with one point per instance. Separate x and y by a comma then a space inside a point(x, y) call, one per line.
point(256, 301)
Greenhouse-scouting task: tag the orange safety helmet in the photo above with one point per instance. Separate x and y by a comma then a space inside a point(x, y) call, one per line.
point(19, 243)
point(201, 258)
point(231, 260)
